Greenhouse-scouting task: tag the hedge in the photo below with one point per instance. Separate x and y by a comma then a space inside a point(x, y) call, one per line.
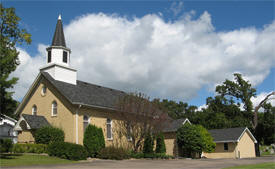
point(5, 145)
point(68, 151)
point(29, 148)
point(152, 155)
point(93, 140)
point(114, 153)
point(48, 134)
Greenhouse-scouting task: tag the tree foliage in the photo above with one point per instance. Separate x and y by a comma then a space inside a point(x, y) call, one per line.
point(148, 147)
point(194, 139)
point(93, 140)
point(138, 117)
point(11, 35)
point(48, 134)
point(160, 144)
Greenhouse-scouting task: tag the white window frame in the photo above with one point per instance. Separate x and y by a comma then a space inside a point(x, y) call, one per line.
point(44, 90)
point(34, 110)
point(55, 108)
point(111, 126)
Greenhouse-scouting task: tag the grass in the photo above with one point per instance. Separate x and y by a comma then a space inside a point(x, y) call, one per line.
point(255, 166)
point(30, 159)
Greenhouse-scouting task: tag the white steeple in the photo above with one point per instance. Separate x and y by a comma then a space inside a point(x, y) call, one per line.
point(58, 57)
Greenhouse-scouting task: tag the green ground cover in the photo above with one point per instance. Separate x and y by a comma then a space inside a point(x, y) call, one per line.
point(255, 166)
point(30, 159)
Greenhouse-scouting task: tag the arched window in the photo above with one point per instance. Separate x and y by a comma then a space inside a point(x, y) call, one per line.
point(109, 129)
point(34, 110)
point(85, 122)
point(54, 108)
point(44, 90)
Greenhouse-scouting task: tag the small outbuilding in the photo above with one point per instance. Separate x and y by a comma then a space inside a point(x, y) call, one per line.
point(232, 143)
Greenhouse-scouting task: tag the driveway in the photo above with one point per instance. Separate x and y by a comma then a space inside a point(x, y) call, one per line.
point(157, 164)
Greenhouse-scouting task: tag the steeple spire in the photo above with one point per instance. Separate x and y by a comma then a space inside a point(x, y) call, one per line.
point(59, 39)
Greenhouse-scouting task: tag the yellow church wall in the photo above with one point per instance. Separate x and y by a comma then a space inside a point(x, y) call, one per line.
point(25, 137)
point(64, 119)
point(246, 146)
point(171, 144)
point(98, 117)
point(221, 153)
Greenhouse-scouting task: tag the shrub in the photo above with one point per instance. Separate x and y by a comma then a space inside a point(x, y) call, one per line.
point(93, 140)
point(114, 153)
point(29, 148)
point(48, 134)
point(137, 155)
point(148, 144)
point(5, 145)
point(66, 150)
point(160, 147)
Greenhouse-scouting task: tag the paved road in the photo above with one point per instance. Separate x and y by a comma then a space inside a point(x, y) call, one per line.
point(157, 164)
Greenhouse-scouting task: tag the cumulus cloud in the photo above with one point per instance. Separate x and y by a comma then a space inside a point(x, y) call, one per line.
point(163, 59)
point(176, 7)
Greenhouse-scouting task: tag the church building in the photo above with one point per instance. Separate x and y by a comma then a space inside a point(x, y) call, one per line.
point(57, 98)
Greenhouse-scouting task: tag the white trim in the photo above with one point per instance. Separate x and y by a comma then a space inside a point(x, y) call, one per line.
point(111, 124)
point(7, 117)
point(186, 120)
point(246, 129)
point(17, 126)
point(76, 124)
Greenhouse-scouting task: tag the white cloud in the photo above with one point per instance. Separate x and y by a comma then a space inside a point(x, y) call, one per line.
point(176, 7)
point(163, 59)
point(256, 100)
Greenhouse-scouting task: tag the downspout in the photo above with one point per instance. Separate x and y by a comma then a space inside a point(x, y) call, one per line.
point(76, 124)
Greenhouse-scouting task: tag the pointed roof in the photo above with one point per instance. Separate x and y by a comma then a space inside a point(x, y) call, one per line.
point(59, 38)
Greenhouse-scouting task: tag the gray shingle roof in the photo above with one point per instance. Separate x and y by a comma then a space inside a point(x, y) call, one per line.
point(35, 122)
point(59, 38)
point(174, 125)
point(86, 94)
point(226, 135)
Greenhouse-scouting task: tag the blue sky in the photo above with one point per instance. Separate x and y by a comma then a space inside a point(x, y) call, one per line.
point(39, 18)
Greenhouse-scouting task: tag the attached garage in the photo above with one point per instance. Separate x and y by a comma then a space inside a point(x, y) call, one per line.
point(232, 143)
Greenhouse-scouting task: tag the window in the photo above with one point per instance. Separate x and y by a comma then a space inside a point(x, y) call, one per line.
point(85, 123)
point(44, 90)
point(109, 129)
point(49, 56)
point(65, 57)
point(225, 146)
point(34, 110)
point(129, 131)
point(54, 108)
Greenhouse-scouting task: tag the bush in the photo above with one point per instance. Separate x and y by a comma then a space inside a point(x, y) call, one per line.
point(114, 153)
point(93, 140)
point(48, 134)
point(66, 150)
point(160, 147)
point(137, 155)
point(148, 144)
point(29, 148)
point(5, 145)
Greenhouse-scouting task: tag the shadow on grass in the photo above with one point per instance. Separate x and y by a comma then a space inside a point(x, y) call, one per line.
point(9, 156)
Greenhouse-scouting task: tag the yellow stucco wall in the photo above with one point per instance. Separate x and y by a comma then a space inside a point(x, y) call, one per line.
point(25, 137)
point(99, 118)
point(246, 146)
point(170, 143)
point(221, 153)
point(64, 119)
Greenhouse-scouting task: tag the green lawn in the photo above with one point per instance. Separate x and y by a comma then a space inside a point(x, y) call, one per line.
point(255, 166)
point(29, 159)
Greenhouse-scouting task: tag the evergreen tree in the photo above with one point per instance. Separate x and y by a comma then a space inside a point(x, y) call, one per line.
point(148, 144)
point(160, 145)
